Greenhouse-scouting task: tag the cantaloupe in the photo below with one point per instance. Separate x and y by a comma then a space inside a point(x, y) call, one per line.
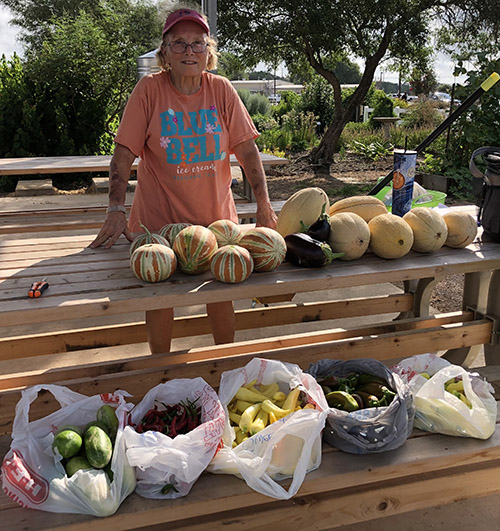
point(153, 262)
point(226, 231)
point(304, 205)
point(349, 234)
point(194, 247)
point(390, 236)
point(365, 206)
point(429, 229)
point(171, 230)
point(231, 264)
point(462, 229)
point(267, 247)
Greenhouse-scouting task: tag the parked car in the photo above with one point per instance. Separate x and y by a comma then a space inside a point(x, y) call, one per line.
point(274, 98)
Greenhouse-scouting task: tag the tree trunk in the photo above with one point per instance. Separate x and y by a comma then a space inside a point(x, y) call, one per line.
point(323, 154)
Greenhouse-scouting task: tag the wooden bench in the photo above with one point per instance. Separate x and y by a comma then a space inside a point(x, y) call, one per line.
point(427, 470)
point(100, 163)
point(82, 218)
point(97, 285)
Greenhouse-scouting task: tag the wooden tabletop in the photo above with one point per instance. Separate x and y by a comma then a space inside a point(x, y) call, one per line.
point(78, 164)
point(91, 282)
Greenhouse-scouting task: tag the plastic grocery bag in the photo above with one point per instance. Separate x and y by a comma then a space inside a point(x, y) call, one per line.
point(174, 463)
point(439, 411)
point(288, 448)
point(33, 475)
point(369, 430)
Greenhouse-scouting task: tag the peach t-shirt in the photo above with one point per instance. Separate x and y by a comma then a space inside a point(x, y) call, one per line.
point(183, 142)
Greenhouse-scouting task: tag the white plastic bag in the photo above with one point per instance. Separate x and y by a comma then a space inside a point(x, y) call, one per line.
point(439, 411)
point(162, 461)
point(288, 448)
point(34, 476)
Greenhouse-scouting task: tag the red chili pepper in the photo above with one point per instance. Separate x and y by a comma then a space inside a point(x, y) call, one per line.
point(139, 428)
point(173, 429)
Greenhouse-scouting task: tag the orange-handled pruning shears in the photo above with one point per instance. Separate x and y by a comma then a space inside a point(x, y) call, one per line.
point(37, 288)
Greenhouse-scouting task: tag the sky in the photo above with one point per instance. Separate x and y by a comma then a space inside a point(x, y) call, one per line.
point(8, 45)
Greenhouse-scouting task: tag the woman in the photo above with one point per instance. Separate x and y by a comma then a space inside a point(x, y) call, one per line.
point(183, 122)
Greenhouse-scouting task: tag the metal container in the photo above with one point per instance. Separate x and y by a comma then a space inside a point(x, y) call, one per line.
point(147, 64)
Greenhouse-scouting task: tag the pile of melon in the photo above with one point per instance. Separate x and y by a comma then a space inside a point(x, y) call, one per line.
point(360, 223)
point(224, 248)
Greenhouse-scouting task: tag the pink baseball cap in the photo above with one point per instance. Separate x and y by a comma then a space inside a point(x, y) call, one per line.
point(184, 14)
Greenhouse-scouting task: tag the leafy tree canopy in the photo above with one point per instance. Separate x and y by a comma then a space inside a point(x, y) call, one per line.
point(371, 30)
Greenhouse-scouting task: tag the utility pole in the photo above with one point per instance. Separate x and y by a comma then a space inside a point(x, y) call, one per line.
point(209, 7)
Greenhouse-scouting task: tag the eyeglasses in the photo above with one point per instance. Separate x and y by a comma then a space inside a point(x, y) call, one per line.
point(181, 46)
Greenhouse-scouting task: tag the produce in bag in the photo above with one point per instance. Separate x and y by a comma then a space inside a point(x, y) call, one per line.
point(371, 409)
point(173, 434)
point(449, 399)
point(288, 447)
point(93, 477)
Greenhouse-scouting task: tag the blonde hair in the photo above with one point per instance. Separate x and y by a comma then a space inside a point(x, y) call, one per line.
point(213, 54)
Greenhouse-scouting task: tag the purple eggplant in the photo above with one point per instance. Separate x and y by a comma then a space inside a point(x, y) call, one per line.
point(320, 229)
point(304, 251)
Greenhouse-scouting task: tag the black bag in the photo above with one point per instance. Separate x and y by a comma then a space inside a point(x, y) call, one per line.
point(489, 211)
point(489, 207)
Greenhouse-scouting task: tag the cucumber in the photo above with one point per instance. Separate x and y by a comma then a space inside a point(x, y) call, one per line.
point(107, 417)
point(68, 443)
point(98, 447)
point(75, 464)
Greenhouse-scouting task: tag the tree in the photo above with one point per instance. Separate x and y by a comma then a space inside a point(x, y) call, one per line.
point(230, 66)
point(79, 69)
point(372, 30)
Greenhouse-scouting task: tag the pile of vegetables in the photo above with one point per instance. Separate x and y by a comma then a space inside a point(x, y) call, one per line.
point(357, 391)
point(454, 386)
point(171, 420)
point(309, 248)
point(254, 407)
point(88, 447)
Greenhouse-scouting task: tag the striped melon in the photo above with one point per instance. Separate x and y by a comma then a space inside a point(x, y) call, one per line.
point(226, 231)
point(153, 262)
point(171, 230)
point(267, 247)
point(232, 264)
point(146, 238)
point(194, 247)
point(303, 206)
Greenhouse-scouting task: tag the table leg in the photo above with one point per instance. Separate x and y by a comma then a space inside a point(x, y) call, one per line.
point(476, 296)
point(421, 290)
point(492, 351)
point(247, 189)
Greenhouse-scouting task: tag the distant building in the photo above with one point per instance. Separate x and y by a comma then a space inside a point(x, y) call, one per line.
point(266, 86)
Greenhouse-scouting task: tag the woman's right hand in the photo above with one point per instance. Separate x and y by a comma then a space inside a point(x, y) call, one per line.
point(114, 226)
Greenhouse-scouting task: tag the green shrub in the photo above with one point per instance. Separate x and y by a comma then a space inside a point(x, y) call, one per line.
point(258, 104)
point(289, 101)
point(244, 95)
point(373, 150)
point(422, 114)
point(383, 106)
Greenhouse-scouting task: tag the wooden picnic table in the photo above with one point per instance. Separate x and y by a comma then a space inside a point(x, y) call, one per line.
point(100, 163)
point(97, 283)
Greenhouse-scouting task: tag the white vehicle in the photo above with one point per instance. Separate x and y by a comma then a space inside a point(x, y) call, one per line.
point(274, 98)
